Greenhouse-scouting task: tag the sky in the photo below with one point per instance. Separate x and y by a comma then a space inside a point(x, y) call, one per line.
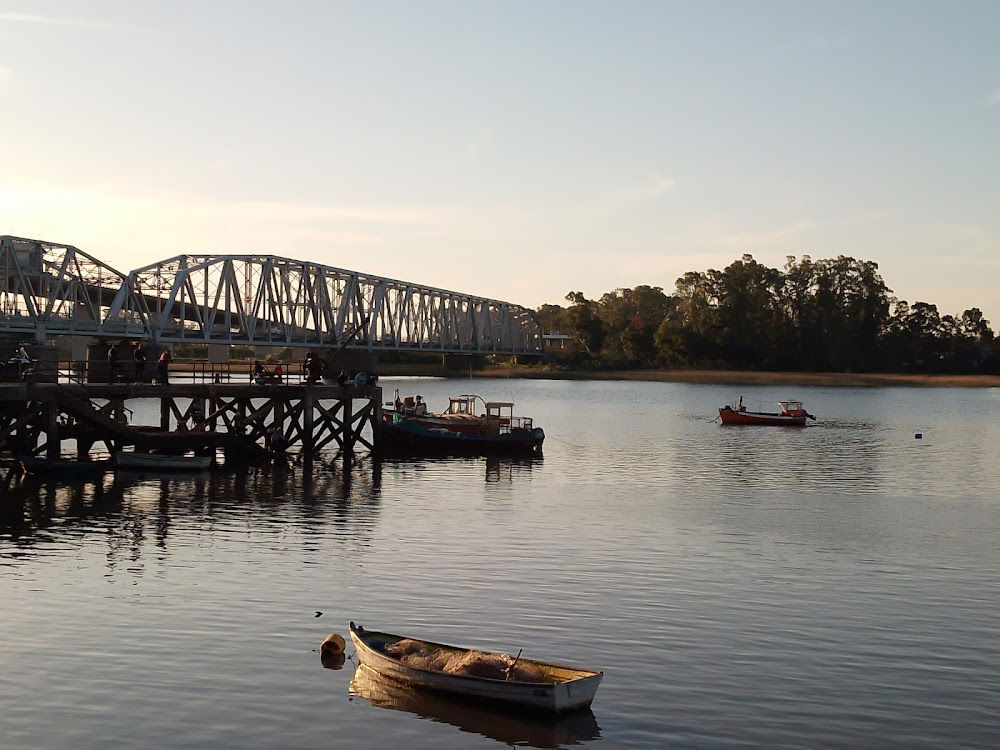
point(513, 150)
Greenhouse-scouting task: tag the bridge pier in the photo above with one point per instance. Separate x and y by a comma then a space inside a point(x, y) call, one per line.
point(352, 361)
point(218, 354)
point(463, 362)
point(53, 444)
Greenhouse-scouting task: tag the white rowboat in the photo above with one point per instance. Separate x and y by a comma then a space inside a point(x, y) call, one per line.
point(560, 688)
point(161, 461)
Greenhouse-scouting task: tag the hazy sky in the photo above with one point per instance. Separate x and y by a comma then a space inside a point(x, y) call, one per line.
point(514, 150)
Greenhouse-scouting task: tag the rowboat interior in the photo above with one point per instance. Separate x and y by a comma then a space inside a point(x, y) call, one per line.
point(460, 661)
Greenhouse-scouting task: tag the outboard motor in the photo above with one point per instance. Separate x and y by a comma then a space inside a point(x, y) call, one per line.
point(539, 436)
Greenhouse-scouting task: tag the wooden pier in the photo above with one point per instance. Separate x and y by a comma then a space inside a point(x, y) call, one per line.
point(38, 418)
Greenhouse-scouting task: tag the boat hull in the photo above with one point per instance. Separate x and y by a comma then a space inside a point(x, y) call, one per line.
point(407, 436)
point(731, 416)
point(458, 423)
point(161, 462)
point(575, 689)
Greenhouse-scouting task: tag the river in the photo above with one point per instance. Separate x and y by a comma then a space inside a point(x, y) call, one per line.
point(741, 587)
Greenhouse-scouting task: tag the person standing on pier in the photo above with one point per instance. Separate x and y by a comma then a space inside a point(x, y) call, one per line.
point(113, 366)
point(163, 367)
point(314, 368)
point(139, 358)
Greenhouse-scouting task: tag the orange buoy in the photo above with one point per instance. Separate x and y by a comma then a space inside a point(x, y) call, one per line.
point(333, 645)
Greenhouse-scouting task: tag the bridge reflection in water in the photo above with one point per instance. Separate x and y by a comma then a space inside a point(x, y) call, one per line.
point(142, 506)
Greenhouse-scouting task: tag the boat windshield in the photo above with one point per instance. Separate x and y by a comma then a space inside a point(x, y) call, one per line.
point(464, 404)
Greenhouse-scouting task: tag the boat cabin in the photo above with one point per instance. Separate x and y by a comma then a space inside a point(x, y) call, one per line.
point(792, 408)
point(500, 418)
point(464, 405)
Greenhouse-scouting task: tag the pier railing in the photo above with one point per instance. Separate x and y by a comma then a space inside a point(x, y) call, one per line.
point(80, 372)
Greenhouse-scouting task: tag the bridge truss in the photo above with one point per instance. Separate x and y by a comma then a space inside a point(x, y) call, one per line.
point(47, 289)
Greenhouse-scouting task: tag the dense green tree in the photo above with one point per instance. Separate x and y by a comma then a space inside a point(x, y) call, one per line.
point(631, 317)
point(551, 318)
point(583, 323)
point(852, 310)
point(968, 339)
point(687, 337)
point(834, 314)
point(750, 316)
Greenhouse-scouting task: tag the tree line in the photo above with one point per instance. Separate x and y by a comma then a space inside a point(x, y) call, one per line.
point(832, 315)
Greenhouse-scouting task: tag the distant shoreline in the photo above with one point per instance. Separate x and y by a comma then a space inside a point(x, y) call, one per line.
point(705, 377)
point(708, 377)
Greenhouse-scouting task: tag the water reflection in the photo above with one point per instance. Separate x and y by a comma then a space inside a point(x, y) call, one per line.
point(333, 661)
point(498, 469)
point(512, 728)
point(132, 508)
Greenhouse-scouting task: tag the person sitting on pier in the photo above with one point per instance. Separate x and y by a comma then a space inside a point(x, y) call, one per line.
point(260, 373)
point(279, 371)
point(344, 380)
point(18, 366)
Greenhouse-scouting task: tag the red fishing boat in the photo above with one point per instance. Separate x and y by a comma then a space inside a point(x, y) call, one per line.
point(791, 413)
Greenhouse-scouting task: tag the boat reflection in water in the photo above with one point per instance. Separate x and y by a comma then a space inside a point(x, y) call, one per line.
point(497, 468)
point(516, 727)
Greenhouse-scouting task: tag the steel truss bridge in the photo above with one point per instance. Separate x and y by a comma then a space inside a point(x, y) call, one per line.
point(48, 289)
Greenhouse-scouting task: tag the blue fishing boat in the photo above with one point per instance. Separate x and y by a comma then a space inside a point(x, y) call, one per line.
point(500, 432)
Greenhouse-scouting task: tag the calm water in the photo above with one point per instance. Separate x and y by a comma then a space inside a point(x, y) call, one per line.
point(832, 586)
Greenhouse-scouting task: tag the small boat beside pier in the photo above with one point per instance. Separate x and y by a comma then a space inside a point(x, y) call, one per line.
point(161, 461)
point(459, 431)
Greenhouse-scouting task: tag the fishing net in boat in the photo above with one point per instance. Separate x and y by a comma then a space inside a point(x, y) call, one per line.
point(472, 663)
point(405, 647)
point(417, 654)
